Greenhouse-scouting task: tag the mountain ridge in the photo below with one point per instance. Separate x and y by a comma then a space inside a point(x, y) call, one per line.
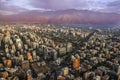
point(63, 16)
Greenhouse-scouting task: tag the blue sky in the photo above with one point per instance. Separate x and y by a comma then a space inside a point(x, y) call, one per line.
point(16, 6)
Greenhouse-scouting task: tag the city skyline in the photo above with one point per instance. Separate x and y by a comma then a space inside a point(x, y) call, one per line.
point(59, 40)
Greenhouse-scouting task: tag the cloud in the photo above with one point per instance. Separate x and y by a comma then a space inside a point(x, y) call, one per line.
point(113, 7)
point(13, 6)
point(58, 4)
point(3, 12)
point(115, 3)
point(6, 8)
point(93, 5)
point(70, 4)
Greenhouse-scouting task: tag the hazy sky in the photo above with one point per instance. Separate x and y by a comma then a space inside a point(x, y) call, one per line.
point(15, 6)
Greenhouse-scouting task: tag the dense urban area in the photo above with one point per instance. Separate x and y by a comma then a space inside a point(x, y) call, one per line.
point(59, 52)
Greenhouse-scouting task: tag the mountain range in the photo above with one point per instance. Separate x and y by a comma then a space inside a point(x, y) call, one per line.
point(62, 17)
